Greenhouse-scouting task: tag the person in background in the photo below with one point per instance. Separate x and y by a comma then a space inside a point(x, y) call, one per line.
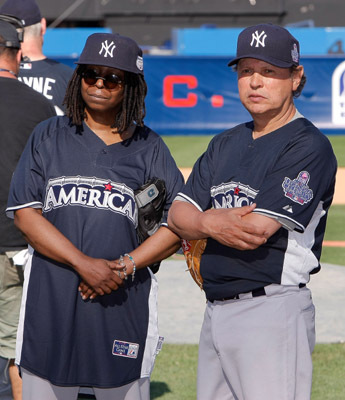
point(21, 109)
point(87, 319)
point(259, 326)
point(43, 74)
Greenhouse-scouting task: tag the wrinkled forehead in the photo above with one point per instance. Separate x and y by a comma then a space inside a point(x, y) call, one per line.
point(249, 61)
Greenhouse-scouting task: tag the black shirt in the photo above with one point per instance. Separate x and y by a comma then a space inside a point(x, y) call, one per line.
point(21, 109)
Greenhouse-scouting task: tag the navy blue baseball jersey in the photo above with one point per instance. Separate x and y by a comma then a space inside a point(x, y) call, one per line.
point(48, 77)
point(86, 189)
point(290, 175)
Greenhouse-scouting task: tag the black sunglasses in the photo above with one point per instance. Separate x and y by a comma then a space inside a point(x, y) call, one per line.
point(110, 81)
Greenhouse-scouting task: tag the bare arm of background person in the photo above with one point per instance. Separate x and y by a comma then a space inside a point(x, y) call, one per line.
point(234, 227)
point(49, 241)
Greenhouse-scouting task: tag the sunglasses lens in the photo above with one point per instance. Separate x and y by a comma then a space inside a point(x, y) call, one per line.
point(90, 77)
point(110, 81)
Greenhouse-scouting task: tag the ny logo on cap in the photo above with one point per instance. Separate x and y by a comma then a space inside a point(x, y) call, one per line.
point(108, 49)
point(260, 39)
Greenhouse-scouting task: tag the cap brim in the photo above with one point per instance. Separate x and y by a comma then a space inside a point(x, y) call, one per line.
point(273, 61)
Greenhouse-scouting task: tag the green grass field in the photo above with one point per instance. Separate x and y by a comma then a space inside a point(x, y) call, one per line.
point(335, 231)
point(186, 149)
point(338, 143)
point(174, 376)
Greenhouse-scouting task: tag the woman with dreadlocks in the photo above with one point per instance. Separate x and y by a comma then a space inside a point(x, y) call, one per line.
point(88, 320)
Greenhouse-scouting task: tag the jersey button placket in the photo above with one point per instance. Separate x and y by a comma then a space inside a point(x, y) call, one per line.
point(104, 158)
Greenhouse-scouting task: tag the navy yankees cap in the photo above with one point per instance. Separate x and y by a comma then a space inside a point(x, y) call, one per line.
point(9, 35)
point(113, 50)
point(270, 43)
point(26, 10)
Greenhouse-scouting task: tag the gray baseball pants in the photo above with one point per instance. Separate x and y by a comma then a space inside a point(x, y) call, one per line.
point(36, 388)
point(258, 348)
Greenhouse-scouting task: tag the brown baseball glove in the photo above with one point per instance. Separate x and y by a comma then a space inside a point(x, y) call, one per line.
point(193, 250)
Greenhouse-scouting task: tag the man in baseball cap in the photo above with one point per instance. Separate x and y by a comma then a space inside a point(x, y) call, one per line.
point(8, 35)
point(45, 75)
point(270, 43)
point(26, 10)
point(266, 185)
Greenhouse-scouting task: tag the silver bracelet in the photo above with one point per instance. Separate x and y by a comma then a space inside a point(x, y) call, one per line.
point(134, 266)
point(124, 267)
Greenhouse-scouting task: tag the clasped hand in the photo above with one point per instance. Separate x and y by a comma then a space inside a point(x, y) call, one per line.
point(101, 277)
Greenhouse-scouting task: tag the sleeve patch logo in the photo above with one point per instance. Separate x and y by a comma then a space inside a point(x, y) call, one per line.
point(297, 189)
point(125, 349)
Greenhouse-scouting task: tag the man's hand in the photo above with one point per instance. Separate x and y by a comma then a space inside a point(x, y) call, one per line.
point(227, 226)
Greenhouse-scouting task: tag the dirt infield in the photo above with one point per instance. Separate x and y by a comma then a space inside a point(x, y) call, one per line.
point(339, 196)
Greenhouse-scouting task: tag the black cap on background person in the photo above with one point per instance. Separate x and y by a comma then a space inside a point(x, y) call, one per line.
point(26, 10)
point(38, 71)
point(8, 35)
point(10, 59)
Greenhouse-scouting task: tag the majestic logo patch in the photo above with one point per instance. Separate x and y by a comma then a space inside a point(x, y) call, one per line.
point(297, 189)
point(288, 208)
point(91, 193)
point(259, 39)
point(232, 194)
point(125, 349)
point(108, 49)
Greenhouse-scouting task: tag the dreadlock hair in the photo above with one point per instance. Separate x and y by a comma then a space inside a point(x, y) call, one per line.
point(133, 104)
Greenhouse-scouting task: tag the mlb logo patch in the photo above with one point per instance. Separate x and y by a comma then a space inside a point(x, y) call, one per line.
point(125, 349)
point(25, 66)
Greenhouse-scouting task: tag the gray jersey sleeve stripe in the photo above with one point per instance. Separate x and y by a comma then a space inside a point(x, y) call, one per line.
point(10, 210)
point(288, 223)
point(182, 197)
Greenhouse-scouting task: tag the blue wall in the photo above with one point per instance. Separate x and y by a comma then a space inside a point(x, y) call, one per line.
point(67, 43)
point(223, 41)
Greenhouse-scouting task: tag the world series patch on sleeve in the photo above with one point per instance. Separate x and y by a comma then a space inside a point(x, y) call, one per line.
point(193, 250)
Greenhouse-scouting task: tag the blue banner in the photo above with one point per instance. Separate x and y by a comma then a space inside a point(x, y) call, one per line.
point(198, 95)
point(194, 95)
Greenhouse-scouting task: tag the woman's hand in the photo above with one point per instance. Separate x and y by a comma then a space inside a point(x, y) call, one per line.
point(99, 277)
